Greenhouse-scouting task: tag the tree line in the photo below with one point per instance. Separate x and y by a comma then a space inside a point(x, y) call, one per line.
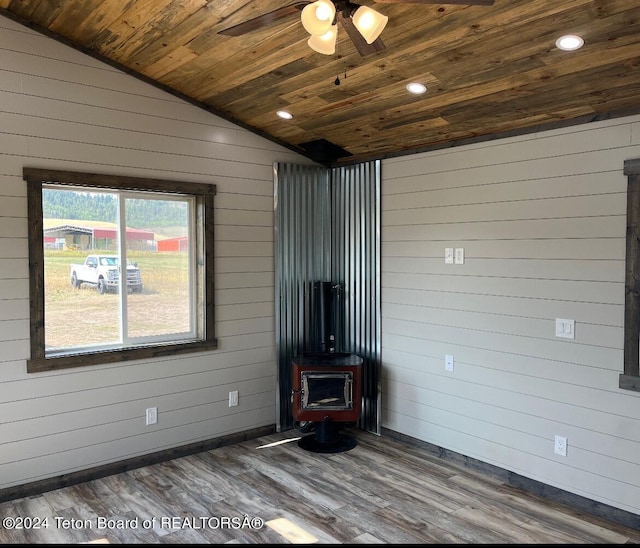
point(103, 206)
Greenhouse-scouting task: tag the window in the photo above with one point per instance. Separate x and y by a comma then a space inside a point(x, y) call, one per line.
point(630, 379)
point(86, 308)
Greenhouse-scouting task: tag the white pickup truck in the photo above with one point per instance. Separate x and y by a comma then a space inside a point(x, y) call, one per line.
point(103, 272)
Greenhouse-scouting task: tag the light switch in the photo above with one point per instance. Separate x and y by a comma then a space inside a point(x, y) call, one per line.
point(565, 328)
point(448, 255)
point(448, 362)
point(459, 255)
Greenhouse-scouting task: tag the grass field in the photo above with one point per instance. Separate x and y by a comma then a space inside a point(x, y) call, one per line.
point(79, 317)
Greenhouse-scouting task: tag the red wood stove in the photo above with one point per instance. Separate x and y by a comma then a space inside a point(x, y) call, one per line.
point(327, 391)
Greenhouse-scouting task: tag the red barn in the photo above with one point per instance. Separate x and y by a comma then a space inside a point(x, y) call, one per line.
point(180, 243)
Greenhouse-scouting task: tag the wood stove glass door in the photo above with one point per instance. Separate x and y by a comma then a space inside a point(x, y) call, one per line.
point(327, 390)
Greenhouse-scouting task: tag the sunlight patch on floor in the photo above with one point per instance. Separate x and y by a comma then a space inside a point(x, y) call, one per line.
point(278, 443)
point(291, 532)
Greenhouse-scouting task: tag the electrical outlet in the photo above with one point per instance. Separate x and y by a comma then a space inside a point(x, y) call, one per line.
point(561, 446)
point(233, 398)
point(448, 362)
point(458, 255)
point(152, 415)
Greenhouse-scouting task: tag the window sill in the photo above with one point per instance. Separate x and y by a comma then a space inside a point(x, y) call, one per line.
point(119, 355)
point(630, 382)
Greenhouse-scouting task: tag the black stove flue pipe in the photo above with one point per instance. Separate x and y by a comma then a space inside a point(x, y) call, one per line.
point(324, 320)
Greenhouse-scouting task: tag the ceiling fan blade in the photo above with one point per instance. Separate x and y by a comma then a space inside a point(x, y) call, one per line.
point(264, 20)
point(359, 42)
point(444, 2)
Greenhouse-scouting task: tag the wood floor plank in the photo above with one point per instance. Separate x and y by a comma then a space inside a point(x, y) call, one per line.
point(527, 510)
point(386, 525)
point(271, 491)
point(316, 519)
point(366, 538)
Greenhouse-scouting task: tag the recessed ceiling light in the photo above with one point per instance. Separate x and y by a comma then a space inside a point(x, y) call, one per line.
point(284, 114)
point(417, 88)
point(569, 42)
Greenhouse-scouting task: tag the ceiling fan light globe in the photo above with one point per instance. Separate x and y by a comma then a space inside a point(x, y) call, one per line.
point(317, 17)
point(369, 23)
point(325, 43)
point(325, 10)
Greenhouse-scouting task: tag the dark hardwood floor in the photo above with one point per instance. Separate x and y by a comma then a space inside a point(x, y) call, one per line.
point(264, 492)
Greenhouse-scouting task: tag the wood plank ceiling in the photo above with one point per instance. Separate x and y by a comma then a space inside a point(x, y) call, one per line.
point(491, 70)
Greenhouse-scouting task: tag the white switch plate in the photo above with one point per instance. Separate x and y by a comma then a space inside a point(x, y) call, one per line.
point(448, 362)
point(565, 328)
point(151, 415)
point(233, 398)
point(448, 255)
point(459, 255)
point(560, 446)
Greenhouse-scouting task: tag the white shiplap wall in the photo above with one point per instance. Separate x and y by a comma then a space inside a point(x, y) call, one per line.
point(60, 109)
point(541, 218)
point(542, 222)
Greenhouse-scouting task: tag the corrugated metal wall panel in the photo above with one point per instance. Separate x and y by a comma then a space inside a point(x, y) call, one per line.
point(356, 268)
point(302, 256)
point(327, 227)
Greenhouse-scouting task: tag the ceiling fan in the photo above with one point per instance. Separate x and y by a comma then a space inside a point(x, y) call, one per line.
point(320, 18)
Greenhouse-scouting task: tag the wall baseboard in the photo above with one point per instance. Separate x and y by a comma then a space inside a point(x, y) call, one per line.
point(576, 502)
point(73, 478)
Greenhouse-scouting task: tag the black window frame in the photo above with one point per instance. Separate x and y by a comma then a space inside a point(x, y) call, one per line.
point(630, 379)
point(205, 317)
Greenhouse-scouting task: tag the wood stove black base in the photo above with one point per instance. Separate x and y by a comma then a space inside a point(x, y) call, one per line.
point(327, 438)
